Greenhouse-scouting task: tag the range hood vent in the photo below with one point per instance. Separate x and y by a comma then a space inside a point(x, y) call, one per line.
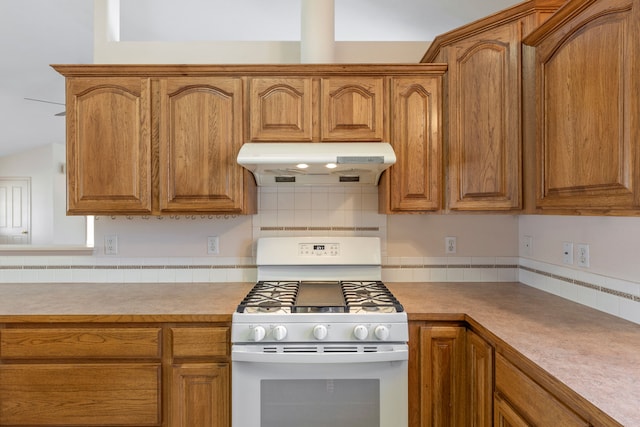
point(308, 163)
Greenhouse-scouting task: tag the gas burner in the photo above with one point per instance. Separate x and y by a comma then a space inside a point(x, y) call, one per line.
point(268, 306)
point(270, 297)
point(370, 296)
point(320, 297)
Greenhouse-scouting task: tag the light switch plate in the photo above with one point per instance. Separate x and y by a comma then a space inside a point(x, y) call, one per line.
point(567, 253)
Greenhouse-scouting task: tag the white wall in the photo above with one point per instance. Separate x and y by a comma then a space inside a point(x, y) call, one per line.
point(49, 224)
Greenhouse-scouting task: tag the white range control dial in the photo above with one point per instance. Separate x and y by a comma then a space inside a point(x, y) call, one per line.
point(381, 332)
point(320, 332)
point(258, 333)
point(361, 332)
point(279, 332)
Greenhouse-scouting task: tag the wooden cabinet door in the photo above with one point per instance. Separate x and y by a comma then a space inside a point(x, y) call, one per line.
point(108, 145)
point(413, 184)
point(484, 125)
point(506, 416)
point(530, 399)
point(200, 395)
point(200, 135)
point(280, 109)
point(122, 394)
point(437, 376)
point(479, 380)
point(352, 109)
point(587, 152)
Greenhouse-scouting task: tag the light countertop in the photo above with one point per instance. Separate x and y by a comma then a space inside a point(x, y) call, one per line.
point(595, 354)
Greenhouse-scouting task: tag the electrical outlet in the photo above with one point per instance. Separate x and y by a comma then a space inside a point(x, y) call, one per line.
point(583, 255)
point(567, 253)
point(213, 245)
point(111, 245)
point(450, 245)
point(527, 245)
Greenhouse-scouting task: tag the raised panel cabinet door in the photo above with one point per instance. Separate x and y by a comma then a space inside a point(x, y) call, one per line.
point(200, 135)
point(506, 416)
point(280, 109)
point(443, 379)
point(532, 401)
point(415, 179)
point(479, 380)
point(587, 153)
point(352, 109)
point(108, 145)
point(484, 145)
point(200, 396)
point(100, 394)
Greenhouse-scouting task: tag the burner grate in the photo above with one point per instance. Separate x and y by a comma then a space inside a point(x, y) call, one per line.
point(269, 297)
point(282, 297)
point(369, 296)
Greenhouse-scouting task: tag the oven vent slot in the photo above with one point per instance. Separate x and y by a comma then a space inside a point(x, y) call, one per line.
point(270, 349)
point(342, 349)
point(370, 349)
point(300, 349)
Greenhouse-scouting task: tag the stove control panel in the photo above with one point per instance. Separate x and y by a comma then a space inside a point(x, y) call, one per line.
point(319, 249)
point(319, 331)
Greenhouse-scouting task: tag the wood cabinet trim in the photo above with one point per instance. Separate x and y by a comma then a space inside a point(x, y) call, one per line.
point(264, 70)
point(517, 12)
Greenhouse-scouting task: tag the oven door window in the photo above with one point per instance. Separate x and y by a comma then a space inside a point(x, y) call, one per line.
point(320, 403)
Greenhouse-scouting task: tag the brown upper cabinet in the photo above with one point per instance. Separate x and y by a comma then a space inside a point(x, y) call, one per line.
point(483, 108)
point(200, 133)
point(587, 108)
point(109, 144)
point(281, 109)
point(163, 139)
point(333, 108)
point(154, 140)
point(414, 183)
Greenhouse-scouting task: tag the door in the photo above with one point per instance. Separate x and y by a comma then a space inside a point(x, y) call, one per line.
point(15, 211)
point(200, 136)
point(108, 145)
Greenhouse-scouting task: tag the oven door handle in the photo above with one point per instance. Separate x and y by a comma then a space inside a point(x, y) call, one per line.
point(242, 355)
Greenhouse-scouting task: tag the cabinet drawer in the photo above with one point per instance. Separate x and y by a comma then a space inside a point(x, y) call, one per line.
point(530, 401)
point(80, 342)
point(200, 342)
point(80, 395)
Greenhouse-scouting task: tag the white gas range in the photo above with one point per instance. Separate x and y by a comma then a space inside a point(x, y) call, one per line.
point(319, 340)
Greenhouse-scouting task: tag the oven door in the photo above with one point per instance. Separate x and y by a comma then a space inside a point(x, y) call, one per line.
point(319, 386)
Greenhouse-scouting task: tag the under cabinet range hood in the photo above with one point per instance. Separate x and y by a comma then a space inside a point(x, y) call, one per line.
point(316, 163)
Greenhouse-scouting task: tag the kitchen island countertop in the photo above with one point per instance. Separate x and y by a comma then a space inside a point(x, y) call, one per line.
point(595, 354)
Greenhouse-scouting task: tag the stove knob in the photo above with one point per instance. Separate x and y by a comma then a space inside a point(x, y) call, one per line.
point(381, 332)
point(258, 333)
point(279, 332)
point(320, 332)
point(360, 332)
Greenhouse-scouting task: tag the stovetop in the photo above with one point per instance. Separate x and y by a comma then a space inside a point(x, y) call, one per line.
point(348, 296)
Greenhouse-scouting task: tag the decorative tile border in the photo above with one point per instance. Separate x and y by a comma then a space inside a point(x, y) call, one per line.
point(487, 266)
point(320, 229)
point(582, 283)
point(123, 267)
point(385, 267)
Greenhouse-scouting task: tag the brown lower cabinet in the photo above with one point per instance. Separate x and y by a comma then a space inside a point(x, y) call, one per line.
point(450, 376)
point(115, 375)
point(178, 375)
point(459, 377)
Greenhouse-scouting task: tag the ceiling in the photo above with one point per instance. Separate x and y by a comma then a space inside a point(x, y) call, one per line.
point(36, 33)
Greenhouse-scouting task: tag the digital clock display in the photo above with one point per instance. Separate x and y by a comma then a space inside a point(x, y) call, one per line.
point(318, 247)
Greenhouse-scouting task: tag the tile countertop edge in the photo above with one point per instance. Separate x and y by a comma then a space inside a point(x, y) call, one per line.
point(590, 355)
